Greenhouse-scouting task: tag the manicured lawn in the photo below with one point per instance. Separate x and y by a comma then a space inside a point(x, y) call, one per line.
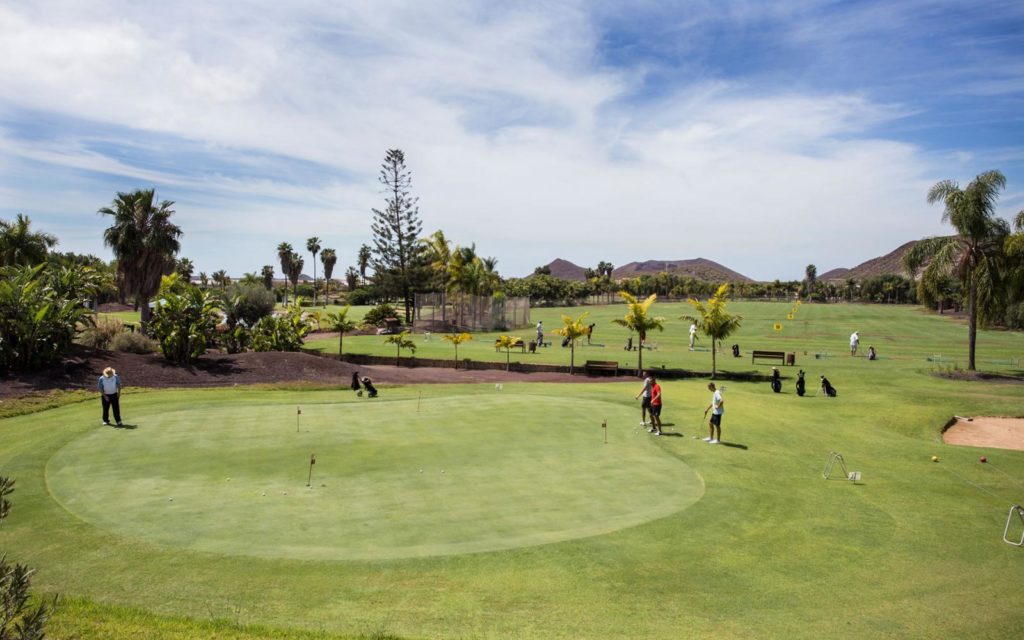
point(537, 528)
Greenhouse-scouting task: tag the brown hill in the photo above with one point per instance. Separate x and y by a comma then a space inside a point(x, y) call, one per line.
point(700, 268)
point(891, 262)
point(566, 270)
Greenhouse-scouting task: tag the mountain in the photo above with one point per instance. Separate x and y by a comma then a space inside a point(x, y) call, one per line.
point(891, 262)
point(566, 270)
point(700, 268)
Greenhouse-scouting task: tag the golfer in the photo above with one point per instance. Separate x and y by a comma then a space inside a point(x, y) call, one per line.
point(109, 387)
point(655, 407)
point(540, 333)
point(693, 334)
point(717, 408)
point(645, 398)
point(854, 343)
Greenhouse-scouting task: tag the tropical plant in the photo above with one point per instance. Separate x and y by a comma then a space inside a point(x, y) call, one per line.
point(21, 246)
point(221, 278)
point(363, 260)
point(204, 280)
point(281, 333)
point(639, 321)
point(398, 263)
point(246, 304)
point(330, 258)
point(41, 310)
point(401, 341)
point(267, 277)
point(573, 329)
point(144, 240)
point(810, 279)
point(439, 256)
point(18, 620)
point(974, 253)
point(100, 333)
point(295, 264)
point(352, 279)
point(185, 268)
point(376, 316)
point(183, 323)
point(714, 321)
point(456, 339)
point(250, 278)
point(339, 322)
point(133, 342)
point(506, 343)
point(313, 246)
point(284, 255)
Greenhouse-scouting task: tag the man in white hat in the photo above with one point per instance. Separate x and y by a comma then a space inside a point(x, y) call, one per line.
point(110, 393)
point(854, 343)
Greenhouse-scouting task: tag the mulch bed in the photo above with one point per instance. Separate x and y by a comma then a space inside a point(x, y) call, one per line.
point(82, 367)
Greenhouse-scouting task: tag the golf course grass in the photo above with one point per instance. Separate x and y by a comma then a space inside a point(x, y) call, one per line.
point(537, 528)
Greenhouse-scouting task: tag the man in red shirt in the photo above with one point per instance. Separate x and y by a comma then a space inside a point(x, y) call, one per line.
point(655, 406)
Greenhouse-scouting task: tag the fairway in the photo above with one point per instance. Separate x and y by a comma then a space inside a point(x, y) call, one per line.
point(452, 474)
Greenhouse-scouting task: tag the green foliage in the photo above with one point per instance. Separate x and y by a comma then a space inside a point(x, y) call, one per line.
point(714, 321)
point(246, 304)
point(573, 329)
point(339, 322)
point(507, 342)
point(457, 338)
point(133, 342)
point(281, 333)
point(360, 297)
point(375, 317)
point(401, 341)
point(639, 321)
point(20, 246)
point(183, 323)
point(99, 334)
point(18, 620)
point(41, 309)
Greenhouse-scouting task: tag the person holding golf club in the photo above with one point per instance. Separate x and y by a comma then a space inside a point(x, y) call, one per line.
point(110, 394)
point(645, 398)
point(693, 334)
point(717, 408)
point(655, 407)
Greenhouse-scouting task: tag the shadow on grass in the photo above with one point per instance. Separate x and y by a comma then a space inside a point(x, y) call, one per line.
point(125, 425)
point(734, 445)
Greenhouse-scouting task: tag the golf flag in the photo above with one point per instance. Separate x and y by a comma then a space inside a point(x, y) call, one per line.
point(298, 411)
point(312, 458)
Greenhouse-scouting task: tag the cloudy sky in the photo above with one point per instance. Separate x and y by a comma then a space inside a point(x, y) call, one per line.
point(762, 135)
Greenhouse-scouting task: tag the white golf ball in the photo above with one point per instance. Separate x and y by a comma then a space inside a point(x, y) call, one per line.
point(284, 493)
point(442, 470)
point(170, 499)
point(421, 470)
point(264, 493)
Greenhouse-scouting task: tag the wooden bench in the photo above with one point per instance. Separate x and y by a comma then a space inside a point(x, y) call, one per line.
point(602, 365)
point(518, 344)
point(768, 355)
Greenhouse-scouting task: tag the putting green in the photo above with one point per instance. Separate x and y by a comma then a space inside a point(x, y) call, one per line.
point(392, 479)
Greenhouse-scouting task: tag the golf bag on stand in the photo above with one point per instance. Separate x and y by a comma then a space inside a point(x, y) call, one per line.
point(776, 381)
point(735, 350)
point(827, 388)
point(801, 386)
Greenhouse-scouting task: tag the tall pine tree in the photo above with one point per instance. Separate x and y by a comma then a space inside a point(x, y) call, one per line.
point(399, 262)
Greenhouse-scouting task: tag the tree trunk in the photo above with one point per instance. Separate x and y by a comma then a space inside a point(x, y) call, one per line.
point(147, 313)
point(972, 321)
point(508, 358)
point(456, 357)
point(572, 356)
point(398, 356)
point(714, 360)
point(314, 279)
point(341, 340)
point(640, 360)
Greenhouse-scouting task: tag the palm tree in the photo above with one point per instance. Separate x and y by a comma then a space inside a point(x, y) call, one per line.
point(365, 253)
point(574, 329)
point(313, 246)
point(439, 255)
point(204, 280)
point(637, 319)
point(295, 264)
point(456, 339)
point(713, 321)
point(185, 269)
point(250, 278)
point(221, 278)
point(971, 255)
point(339, 322)
point(401, 341)
point(144, 241)
point(329, 258)
point(19, 245)
point(811, 278)
point(352, 279)
point(284, 254)
point(506, 343)
point(267, 275)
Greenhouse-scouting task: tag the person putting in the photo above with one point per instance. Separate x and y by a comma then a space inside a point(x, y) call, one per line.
point(717, 408)
point(655, 407)
point(645, 398)
point(110, 394)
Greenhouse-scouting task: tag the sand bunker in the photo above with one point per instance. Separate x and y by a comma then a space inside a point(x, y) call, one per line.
point(983, 431)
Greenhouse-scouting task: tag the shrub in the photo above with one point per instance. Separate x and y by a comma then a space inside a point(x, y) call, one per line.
point(133, 343)
point(375, 316)
point(305, 290)
point(280, 333)
point(100, 335)
point(184, 323)
point(246, 304)
point(359, 297)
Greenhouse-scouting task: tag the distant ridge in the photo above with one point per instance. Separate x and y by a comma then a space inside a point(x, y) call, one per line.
point(891, 262)
point(566, 270)
point(700, 268)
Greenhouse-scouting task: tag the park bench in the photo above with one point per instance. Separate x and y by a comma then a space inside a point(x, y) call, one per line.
point(602, 365)
point(768, 355)
point(518, 344)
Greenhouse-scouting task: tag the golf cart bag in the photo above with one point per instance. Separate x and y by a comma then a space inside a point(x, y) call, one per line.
point(801, 386)
point(371, 391)
point(735, 350)
point(776, 381)
point(827, 387)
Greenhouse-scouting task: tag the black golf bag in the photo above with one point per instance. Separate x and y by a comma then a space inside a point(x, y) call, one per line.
point(735, 350)
point(776, 381)
point(371, 391)
point(827, 387)
point(801, 386)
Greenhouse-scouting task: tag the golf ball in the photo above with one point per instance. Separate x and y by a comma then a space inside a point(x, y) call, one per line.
point(284, 493)
point(170, 499)
point(264, 493)
point(421, 470)
point(227, 479)
point(442, 470)
point(935, 458)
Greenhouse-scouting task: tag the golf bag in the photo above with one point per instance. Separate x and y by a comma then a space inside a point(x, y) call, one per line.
point(355, 383)
point(735, 350)
point(629, 344)
point(776, 381)
point(371, 391)
point(801, 386)
point(827, 388)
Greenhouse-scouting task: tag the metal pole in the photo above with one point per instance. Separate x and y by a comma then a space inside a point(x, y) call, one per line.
point(312, 461)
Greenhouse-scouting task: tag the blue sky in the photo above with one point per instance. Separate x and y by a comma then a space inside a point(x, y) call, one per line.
point(763, 135)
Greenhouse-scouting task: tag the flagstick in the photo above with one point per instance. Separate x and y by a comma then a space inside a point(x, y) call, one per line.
point(604, 425)
point(418, 398)
point(312, 461)
point(298, 412)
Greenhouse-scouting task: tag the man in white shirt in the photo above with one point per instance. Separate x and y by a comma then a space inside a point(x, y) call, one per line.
point(717, 408)
point(854, 343)
point(693, 334)
point(109, 386)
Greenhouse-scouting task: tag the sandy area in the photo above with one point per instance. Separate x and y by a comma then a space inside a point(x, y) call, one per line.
point(983, 431)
